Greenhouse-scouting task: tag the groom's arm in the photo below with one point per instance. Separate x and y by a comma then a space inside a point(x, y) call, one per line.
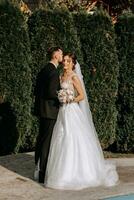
point(53, 85)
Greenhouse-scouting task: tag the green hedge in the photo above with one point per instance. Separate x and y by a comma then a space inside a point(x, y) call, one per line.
point(15, 79)
point(97, 38)
point(50, 28)
point(125, 103)
point(92, 38)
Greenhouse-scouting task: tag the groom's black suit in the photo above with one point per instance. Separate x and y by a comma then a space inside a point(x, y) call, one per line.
point(46, 108)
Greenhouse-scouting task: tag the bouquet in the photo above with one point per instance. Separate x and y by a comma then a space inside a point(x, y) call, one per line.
point(65, 95)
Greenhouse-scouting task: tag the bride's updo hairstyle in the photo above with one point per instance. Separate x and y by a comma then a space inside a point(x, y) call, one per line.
point(73, 57)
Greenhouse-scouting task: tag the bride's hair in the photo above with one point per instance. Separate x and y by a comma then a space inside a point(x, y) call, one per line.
point(73, 57)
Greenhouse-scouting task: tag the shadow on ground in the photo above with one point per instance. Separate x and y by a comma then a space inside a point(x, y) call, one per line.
point(22, 164)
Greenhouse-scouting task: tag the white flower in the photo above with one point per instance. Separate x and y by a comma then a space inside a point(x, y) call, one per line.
point(65, 95)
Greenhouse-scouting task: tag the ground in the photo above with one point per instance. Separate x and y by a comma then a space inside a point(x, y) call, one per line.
point(16, 181)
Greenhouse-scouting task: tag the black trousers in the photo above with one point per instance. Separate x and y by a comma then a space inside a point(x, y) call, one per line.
point(43, 145)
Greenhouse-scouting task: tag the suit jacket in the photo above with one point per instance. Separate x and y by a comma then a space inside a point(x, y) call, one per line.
point(46, 100)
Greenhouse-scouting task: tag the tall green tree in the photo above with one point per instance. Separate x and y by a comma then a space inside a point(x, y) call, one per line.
point(97, 38)
point(49, 28)
point(125, 103)
point(15, 79)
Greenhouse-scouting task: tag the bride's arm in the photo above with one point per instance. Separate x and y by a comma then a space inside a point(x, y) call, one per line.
point(79, 89)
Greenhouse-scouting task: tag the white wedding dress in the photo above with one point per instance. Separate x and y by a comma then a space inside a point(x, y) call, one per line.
point(76, 159)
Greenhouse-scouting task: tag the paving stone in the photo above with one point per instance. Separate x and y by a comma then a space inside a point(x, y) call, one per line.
point(16, 181)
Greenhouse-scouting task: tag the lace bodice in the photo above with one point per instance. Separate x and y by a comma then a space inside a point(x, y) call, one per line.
point(68, 84)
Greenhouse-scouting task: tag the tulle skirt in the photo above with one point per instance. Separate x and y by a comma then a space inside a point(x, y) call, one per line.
point(76, 159)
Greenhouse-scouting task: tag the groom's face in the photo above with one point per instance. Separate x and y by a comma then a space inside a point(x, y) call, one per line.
point(59, 55)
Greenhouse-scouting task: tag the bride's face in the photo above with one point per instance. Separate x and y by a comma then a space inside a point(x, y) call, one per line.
point(67, 63)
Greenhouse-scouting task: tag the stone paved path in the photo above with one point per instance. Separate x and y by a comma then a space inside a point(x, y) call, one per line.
point(16, 181)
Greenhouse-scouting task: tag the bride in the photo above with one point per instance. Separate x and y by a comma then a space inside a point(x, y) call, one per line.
point(76, 159)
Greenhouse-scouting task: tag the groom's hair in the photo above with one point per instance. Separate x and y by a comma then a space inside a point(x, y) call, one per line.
point(51, 51)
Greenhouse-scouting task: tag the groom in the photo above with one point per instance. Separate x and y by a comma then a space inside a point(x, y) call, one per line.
point(46, 107)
